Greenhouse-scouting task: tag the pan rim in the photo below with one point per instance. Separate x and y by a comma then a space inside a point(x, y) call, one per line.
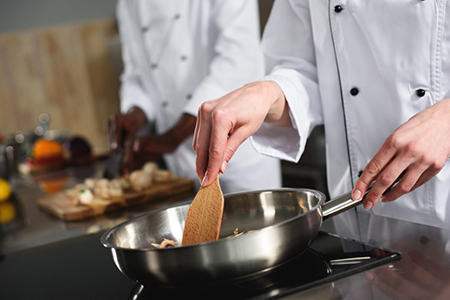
point(108, 233)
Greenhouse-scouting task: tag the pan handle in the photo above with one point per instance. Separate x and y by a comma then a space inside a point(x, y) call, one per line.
point(345, 202)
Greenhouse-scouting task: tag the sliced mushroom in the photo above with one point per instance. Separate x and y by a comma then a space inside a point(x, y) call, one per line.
point(140, 180)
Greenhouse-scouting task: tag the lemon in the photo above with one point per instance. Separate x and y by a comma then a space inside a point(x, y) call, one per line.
point(5, 190)
point(7, 212)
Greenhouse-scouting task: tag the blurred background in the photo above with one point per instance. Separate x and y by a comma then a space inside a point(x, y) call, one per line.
point(60, 63)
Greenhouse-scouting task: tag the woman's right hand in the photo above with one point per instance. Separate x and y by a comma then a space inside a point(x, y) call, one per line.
point(225, 123)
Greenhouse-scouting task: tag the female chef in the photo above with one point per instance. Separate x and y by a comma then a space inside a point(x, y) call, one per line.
point(178, 54)
point(376, 74)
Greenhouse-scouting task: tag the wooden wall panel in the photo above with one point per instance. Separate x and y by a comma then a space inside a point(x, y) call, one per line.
point(65, 71)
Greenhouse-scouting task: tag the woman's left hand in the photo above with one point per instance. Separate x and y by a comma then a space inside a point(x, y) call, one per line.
point(420, 147)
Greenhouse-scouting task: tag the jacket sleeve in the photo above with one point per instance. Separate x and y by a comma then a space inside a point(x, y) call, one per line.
point(237, 56)
point(288, 48)
point(132, 91)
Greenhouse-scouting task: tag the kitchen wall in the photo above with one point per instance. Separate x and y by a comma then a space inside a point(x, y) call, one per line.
point(54, 58)
point(61, 57)
point(16, 15)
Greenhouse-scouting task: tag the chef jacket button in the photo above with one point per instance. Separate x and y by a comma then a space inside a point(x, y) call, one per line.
point(420, 92)
point(188, 96)
point(354, 91)
point(338, 8)
point(164, 104)
point(177, 16)
point(183, 57)
point(154, 66)
point(145, 28)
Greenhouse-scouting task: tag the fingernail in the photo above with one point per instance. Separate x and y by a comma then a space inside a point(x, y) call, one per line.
point(384, 200)
point(357, 195)
point(114, 145)
point(368, 205)
point(224, 167)
point(205, 179)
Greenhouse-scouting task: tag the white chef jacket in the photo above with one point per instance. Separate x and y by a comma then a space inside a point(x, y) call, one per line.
point(178, 54)
point(361, 68)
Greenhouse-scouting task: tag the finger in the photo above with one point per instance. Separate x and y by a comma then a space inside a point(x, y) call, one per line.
point(111, 132)
point(196, 133)
point(202, 139)
point(217, 146)
point(384, 181)
point(234, 141)
point(142, 145)
point(372, 170)
point(120, 130)
point(128, 155)
point(405, 185)
point(426, 176)
point(381, 185)
point(413, 178)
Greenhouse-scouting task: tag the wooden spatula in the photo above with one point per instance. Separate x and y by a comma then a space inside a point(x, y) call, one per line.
point(204, 216)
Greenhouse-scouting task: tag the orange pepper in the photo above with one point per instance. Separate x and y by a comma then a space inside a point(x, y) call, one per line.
point(45, 148)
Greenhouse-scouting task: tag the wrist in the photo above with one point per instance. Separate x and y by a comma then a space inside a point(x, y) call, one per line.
point(138, 116)
point(278, 113)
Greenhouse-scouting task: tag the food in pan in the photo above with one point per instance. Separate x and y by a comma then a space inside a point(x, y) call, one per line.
point(166, 243)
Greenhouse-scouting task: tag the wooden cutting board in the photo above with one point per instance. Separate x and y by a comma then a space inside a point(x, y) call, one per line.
point(65, 208)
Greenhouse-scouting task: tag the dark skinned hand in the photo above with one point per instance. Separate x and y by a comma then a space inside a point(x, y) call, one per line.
point(151, 147)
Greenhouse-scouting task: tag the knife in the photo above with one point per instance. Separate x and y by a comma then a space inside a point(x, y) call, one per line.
point(112, 168)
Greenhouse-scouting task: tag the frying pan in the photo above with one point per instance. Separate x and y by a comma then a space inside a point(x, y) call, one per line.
point(278, 224)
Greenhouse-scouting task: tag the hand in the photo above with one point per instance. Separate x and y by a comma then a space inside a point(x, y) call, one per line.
point(416, 277)
point(151, 147)
point(123, 127)
point(225, 123)
point(146, 148)
point(420, 147)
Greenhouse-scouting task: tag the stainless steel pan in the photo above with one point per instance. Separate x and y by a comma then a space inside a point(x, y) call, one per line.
point(279, 225)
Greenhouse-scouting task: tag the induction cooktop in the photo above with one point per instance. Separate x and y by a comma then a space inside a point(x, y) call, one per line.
point(81, 268)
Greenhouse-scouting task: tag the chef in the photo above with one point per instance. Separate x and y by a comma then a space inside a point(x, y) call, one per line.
point(176, 55)
point(376, 74)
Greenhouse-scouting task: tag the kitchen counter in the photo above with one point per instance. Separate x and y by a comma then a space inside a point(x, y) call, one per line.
point(33, 227)
point(423, 272)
